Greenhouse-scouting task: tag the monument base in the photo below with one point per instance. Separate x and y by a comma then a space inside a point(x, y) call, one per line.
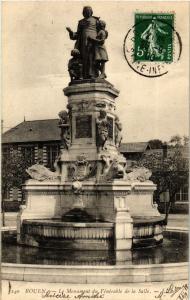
point(123, 207)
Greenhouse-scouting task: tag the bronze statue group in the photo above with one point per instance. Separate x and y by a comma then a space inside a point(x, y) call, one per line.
point(89, 54)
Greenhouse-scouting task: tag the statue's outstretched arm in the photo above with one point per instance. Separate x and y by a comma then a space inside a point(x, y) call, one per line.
point(72, 35)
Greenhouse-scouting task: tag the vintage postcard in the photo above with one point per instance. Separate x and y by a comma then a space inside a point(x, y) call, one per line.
point(95, 147)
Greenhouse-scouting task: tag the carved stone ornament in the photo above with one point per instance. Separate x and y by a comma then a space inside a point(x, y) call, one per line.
point(111, 106)
point(77, 187)
point(81, 169)
point(41, 173)
point(139, 174)
point(101, 104)
point(83, 105)
point(112, 168)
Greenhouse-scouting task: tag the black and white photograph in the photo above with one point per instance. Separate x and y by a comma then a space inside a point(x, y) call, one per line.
point(95, 147)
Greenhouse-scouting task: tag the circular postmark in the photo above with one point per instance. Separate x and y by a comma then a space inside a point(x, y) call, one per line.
point(152, 44)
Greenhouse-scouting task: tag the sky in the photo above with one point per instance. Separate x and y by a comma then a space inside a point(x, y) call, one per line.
point(36, 49)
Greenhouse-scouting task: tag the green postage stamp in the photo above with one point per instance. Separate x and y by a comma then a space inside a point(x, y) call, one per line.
point(153, 37)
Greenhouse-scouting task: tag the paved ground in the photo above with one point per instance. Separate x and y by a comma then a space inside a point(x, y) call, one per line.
point(179, 220)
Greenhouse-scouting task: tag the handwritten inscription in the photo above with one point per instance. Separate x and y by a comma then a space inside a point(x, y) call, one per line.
point(173, 291)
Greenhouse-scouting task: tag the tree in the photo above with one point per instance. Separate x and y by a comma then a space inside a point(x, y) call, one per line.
point(176, 140)
point(155, 144)
point(13, 173)
point(185, 140)
point(168, 172)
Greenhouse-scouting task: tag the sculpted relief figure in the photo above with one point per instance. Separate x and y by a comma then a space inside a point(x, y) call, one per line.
point(118, 135)
point(112, 168)
point(102, 130)
point(90, 37)
point(64, 124)
point(139, 174)
point(41, 173)
point(117, 169)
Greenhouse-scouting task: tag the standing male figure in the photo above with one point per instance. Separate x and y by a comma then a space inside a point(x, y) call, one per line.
point(86, 32)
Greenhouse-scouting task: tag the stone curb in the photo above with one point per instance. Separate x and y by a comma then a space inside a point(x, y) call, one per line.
point(97, 274)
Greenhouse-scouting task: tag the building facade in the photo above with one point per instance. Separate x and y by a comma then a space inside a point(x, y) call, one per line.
point(37, 140)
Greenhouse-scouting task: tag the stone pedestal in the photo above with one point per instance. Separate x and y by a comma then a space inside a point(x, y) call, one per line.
point(90, 180)
point(84, 104)
point(140, 201)
point(101, 200)
point(123, 225)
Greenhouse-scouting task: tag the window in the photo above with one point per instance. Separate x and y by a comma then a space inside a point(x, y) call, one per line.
point(182, 194)
point(52, 154)
point(6, 152)
point(15, 194)
point(6, 195)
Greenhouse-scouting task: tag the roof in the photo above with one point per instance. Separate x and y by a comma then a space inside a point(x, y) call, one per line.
point(47, 130)
point(33, 131)
point(134, 147)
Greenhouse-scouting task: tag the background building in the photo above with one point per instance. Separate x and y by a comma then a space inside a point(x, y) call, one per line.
point(40, 141)
point(134, 151)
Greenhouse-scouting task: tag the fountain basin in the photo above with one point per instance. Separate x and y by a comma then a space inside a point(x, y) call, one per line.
point(88, 235)
point(67, 235)
point(165, 262)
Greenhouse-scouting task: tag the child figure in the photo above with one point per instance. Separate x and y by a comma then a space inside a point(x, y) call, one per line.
point(75, 66)
point(101, 56)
